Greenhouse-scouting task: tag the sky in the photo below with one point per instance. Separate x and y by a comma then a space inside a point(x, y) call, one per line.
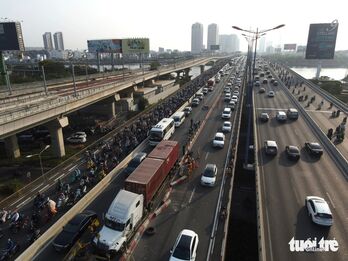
point(168, 23)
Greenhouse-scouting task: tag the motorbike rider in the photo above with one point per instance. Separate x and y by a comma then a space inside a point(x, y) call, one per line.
point(15, 217)
point(10, 244)
point(39, 198)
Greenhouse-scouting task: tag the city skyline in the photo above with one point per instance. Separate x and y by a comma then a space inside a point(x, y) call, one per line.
point(173, 32)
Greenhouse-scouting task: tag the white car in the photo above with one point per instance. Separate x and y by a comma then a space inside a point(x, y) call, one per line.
point(76, 139)
point(209, 174)
point(205, 91)
point(227, 89)
point(271, 147)
point(229, 84)
point(195, 102)
point(79, 134)
point(234, 98)
point(226, 114)
point(227, 96)
point(236, 93)
point(232, 105)
point(281, 116)
point(219, 140)
point(271, 94)
point(319, 210)
point(185, 247)
point(227, 126)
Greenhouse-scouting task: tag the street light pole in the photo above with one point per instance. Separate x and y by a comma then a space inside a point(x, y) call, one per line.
point(40, 159)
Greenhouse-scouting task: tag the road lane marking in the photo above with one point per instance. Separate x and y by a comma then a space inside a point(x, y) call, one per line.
point(44, 187)
point(25, 201)
point(192, 193)
point(329, 112)
point(328, 195)
point(59, 177)
point(73, 167)
point(271, 109)
point(17, 200)
point(206, 155)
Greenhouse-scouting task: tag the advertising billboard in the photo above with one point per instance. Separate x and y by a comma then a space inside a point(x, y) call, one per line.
point(290, 47)
point(135, 45)
point(322, 41)
point(105, 46)
point(214, 47)
point(11, 38)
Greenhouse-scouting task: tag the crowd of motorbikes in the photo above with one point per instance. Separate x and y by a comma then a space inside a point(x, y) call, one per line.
point(100, 159)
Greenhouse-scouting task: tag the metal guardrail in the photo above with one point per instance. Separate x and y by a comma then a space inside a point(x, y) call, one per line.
point(338, 103)
point(91, 91)
point(340, 161)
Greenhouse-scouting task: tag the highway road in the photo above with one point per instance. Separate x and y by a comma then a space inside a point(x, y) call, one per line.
point(192, 205)
point(285, 184)
point(200, 198)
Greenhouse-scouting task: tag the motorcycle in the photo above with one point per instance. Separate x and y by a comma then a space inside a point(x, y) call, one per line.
point(10, 251)
point(62, 199)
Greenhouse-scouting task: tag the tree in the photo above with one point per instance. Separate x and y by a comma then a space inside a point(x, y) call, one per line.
point(154, 65)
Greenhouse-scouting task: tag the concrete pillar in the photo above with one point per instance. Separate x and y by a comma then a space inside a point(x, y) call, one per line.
point(57, 139)
point(202, 68)
point(12, 148)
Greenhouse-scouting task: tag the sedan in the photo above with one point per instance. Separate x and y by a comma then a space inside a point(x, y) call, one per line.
point(209, 174)
point(185, 247)
point(262, 90)
point(319, 210)
point(271, 94)
point(76, 139)
point(314, 148)
point(265, 81)
point(264, 116)
point(227, 126)
point(73, 230)
point(195, 102)
point(292, 152)
point(187, 111)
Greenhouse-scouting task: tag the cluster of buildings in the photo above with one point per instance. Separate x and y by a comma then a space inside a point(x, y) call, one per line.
point(226, 43)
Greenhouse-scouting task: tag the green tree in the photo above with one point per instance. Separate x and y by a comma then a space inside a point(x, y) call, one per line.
point(54, 69)
point(154, 65)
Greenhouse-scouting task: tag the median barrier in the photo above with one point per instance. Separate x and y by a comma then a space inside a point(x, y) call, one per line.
point(41, 242)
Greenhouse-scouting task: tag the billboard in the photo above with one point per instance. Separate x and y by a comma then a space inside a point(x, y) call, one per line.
point(105, 46)
point(214, 47)
point(290, 47)
point(322, 41)
point(11, 38)
point(135, 45)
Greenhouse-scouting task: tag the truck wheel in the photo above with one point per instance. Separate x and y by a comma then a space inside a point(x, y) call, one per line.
point(150, 231)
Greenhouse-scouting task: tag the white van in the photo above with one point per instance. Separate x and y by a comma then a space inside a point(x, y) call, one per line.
point(292, 113)
point(178, 118)
point(281, 116)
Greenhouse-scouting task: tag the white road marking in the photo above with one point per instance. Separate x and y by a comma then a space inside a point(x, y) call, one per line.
point(193, 192)
point(73, 167)
point(328, 195)
point(272, 109)
point(44, 187)
point(17, 200)
point(206, 155)
point(68, 166)
point(329, 112)
point(25, 201)
point(59, 177)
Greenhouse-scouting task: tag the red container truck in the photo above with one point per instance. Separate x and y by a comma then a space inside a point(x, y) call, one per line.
point(150, 174)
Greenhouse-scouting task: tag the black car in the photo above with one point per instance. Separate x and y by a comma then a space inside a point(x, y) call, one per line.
point(275, 83)
point(272, 80)
point(314, 148)
point(135, 162)
point(73, 230)
point(292, 152)
point(269, 76)
point(265, 81)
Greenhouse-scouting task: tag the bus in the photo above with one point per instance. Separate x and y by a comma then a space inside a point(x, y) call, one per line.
point(178, 118)
point(161, 131)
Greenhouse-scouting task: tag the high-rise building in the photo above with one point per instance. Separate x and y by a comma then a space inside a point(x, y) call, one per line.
point(262, 45)
point(229, 43)
point(58, 41)
point(197, 38)
point(213, 36)
point(47, 39)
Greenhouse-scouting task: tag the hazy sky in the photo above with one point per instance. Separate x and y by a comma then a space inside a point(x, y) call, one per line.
point(168, 23)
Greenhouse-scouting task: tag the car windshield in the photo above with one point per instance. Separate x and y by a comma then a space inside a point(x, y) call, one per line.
point(182, 251)
point(114, 225)
point(219, 138)
point(227, 124)
point(293, 150)
point(209, 172)
point(71, 228)
point(315, 146)
point(156, 135)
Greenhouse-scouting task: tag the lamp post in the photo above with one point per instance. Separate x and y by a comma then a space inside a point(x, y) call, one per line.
point(254, 35)
point(70, 56)
point(86, 66)
point(39, 154)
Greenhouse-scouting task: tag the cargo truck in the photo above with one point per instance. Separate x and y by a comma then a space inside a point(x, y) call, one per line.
point(132, 204)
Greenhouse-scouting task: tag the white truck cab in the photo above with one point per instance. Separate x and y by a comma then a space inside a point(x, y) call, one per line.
point(123, 216)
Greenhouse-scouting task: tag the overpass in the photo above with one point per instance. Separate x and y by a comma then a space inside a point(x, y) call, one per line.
point(51, 110)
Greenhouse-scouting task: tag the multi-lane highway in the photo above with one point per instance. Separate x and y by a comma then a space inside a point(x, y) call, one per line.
point(285, 185)
point(192, 206)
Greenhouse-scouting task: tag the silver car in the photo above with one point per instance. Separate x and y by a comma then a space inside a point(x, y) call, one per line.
point(319, 210)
